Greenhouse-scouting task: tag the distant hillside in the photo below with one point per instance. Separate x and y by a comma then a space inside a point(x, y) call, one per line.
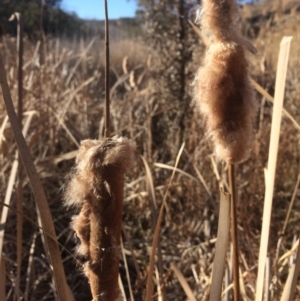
point(57, 22)
point(119, 29)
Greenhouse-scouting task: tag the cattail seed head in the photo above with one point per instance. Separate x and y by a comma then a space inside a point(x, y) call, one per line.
point(96, 187)
point(92, 157)
point(219, 19)
point(222, 90)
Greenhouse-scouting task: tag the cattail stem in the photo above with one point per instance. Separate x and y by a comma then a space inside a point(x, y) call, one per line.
point(107, 83)
point(234, 236)
point(42, 35)
point(19, 189)
point(20, 66)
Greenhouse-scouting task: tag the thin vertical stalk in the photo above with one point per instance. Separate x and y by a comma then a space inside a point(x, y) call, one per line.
point(182, 66)
point(19, 229)
point(19, 193)
point(291, 206)
point(126, 270)
point(135, 263)
point(20, 66)
point(181, 38)
point(107, 65)
point(2, 279)
point(234, 236)
point(42, 35)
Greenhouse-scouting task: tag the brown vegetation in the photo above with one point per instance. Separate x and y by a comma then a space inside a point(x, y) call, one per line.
point(64, 104)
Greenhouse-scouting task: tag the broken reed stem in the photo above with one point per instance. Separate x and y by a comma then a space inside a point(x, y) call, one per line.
point(270, 171)
point(107, 83)
point(234, 235)
point(96, 188)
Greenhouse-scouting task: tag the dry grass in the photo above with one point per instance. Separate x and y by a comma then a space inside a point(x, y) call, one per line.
point(67, 94)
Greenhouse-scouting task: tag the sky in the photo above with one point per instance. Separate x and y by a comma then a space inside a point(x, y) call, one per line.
point(94, 9)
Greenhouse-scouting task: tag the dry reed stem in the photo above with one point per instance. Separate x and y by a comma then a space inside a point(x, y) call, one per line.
point(96, 188)
point(221, 246)
point(19, 189)
point(129, 242)
point(183, 282)
point(155, 243)
point(151, 191)
point(107, 82)
point(2, 280)
point(127, 271)
point(19, 240)
point(272, 161)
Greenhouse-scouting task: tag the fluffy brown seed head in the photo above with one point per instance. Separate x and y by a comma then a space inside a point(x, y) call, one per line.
point(222, 90)
point(97, 187)
point(224, 96)
point(92, 157)
point(81, 226)
point(219, 19)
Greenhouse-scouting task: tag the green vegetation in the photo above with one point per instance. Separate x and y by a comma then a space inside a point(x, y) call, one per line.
point(54, 20)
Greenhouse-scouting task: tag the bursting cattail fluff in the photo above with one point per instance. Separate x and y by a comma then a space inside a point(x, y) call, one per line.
point(222, 90)
point(96, 188)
